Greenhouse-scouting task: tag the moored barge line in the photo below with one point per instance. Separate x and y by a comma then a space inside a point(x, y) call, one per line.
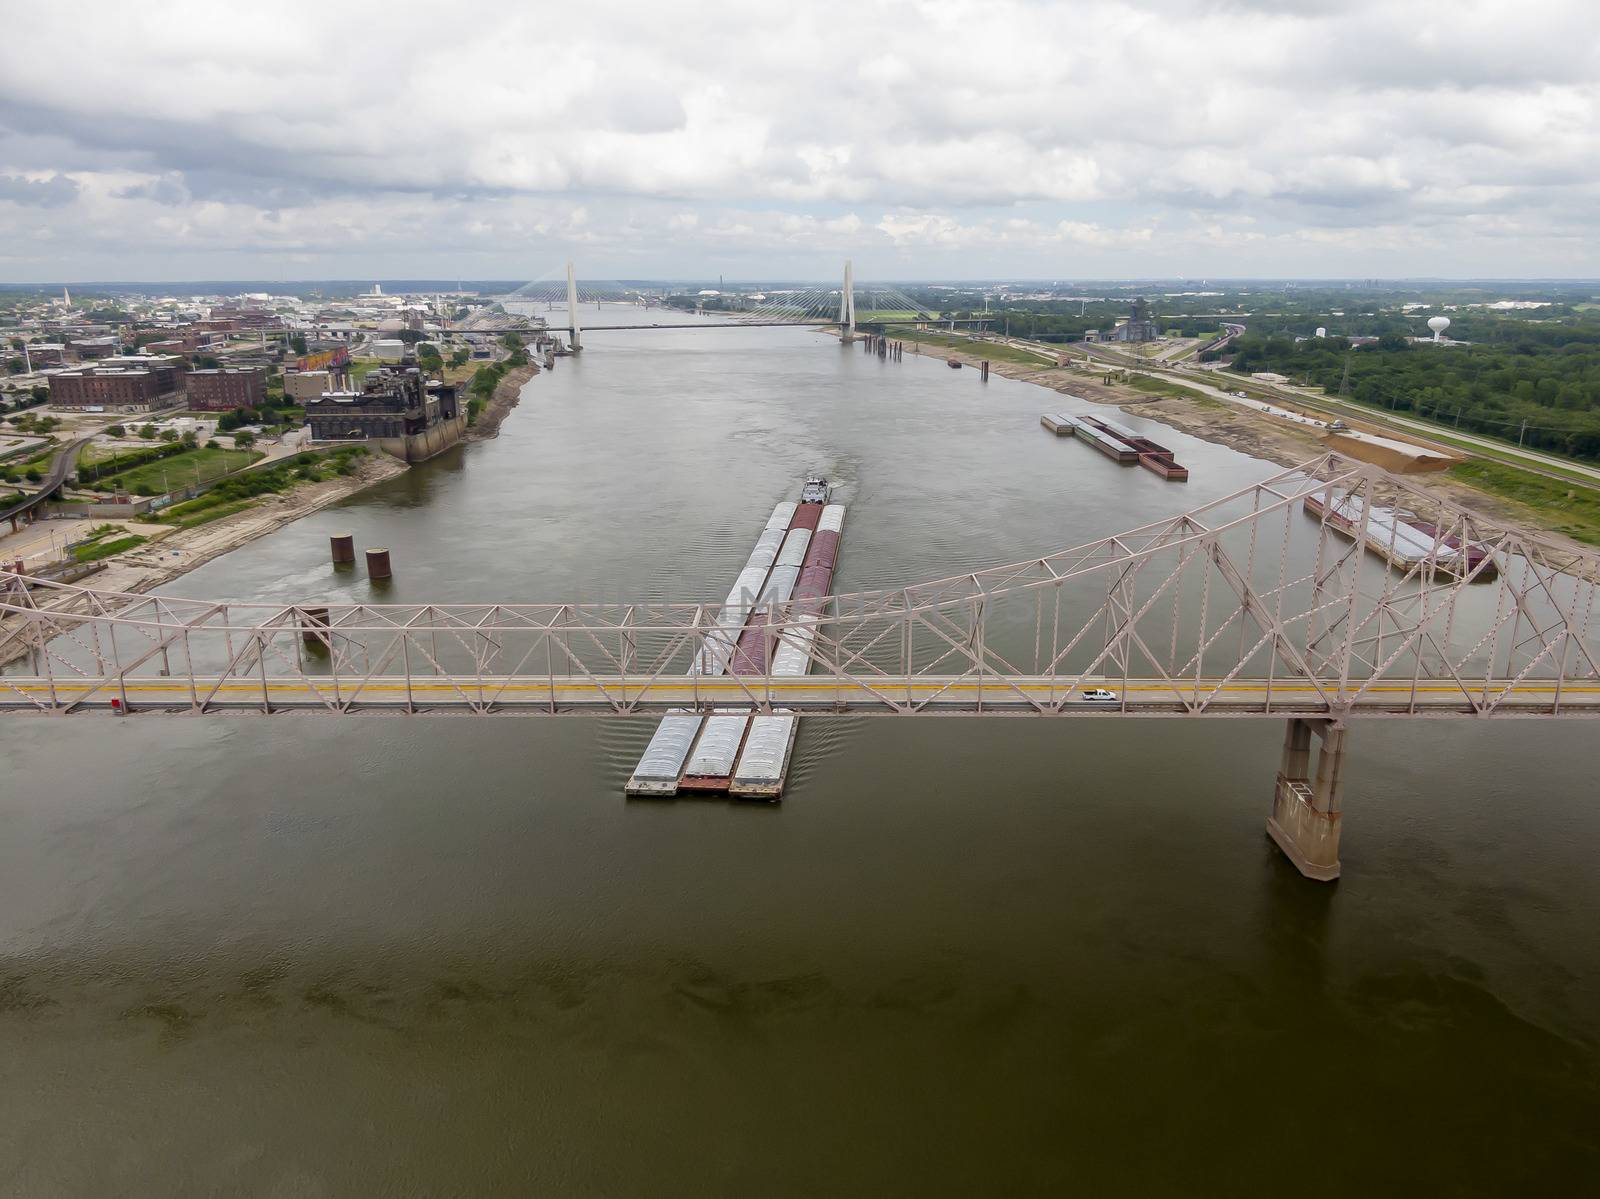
point(1121, 444)
point(1401, 539)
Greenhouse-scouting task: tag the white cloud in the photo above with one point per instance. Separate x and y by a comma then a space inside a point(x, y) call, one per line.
point(987, 137)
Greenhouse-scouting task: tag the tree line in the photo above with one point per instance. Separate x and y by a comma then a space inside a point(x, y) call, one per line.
point(1537, 383)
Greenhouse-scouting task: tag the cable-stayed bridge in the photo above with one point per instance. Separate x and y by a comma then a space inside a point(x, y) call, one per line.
point(1258, 604)
point(811, 305)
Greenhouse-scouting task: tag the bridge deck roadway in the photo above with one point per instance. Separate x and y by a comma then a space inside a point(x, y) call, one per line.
point(816, 694)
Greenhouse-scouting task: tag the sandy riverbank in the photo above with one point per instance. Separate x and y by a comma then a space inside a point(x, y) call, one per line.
point(1239, 428)
point(173, 552)
point(506, 397)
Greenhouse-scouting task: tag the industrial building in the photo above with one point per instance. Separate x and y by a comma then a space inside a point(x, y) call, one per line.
point(90, 349)
point(1138, 326)
point(397, 408)
point(300, 386)
point(227, 389)
point(123, 383)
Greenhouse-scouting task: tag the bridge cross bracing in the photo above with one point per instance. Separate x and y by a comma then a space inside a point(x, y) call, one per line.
point(1248, 606)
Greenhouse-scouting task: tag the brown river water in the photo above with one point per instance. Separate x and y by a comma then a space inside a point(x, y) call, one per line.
point(319, 956)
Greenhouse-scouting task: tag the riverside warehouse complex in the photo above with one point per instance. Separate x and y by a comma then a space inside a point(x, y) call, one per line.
point(123, 383)
point(399, 410)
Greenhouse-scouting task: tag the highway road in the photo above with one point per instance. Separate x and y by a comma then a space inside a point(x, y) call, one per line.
point(816, 694)
point(60, 467)
point(1422, 430)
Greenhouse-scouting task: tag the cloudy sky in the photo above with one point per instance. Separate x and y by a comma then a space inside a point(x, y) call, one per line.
point(932, 139)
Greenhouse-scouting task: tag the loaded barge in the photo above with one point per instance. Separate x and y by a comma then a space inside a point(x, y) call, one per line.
point(765, 761)
point(1118, 442)
point(790, 566)
point(663, 761)
point(1401, 539)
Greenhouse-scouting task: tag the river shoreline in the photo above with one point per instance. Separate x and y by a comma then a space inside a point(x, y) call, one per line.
point(507, 395)
point(1244, 430)
point(171, 553)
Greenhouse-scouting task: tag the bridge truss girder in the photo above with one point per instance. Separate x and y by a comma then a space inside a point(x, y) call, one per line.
point(1243, 606)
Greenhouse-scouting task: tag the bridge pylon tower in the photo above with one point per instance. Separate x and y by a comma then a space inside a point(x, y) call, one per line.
point(847, 304)
point(573, 333)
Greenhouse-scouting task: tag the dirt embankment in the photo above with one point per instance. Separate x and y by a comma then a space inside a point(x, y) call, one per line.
point(1211, 420)
point(1249, 432)
point(173, 552)
point(506, 396)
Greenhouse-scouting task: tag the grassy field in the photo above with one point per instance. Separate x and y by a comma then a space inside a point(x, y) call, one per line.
point(1574, 511)
point(178, 470)
point(241, 491)
point(1161, 387)
point(866, 316)
point(99, 549)
point(983, 349)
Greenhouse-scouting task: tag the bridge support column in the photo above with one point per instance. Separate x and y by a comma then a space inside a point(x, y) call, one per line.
point(1305, 807)
point(573, 332)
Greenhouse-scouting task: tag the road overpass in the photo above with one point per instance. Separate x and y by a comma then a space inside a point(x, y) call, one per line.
point(60, 467)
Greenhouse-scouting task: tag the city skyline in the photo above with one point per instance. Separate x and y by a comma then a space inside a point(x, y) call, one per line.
point(956, 141)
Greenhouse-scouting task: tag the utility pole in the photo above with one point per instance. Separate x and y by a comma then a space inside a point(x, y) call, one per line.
point(1521, 431)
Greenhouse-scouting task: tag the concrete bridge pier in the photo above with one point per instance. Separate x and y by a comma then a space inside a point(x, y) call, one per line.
point(1305, 805)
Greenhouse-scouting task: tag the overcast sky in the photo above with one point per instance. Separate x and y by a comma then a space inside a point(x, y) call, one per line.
point(932, 139)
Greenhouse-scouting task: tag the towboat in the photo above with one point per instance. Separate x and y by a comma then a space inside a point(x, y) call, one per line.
point(815, 491)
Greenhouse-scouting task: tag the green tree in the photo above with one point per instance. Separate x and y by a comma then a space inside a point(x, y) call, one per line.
point(191, 440)
point(148, 432)
point(297, 343)
point(244, 439)
point(169, 435)
point(115, 430)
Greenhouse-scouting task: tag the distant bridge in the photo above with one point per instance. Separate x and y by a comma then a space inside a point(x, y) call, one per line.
point(813, 307)
point(1244, 607)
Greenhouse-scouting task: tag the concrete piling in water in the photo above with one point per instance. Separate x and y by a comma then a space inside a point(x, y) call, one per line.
point(343, 548)
point(378, 564)
point(314, 627)
point(1306, 804)
point(983, 371)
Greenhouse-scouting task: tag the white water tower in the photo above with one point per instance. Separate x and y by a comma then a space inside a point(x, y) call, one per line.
point(1438, 324)
point(1321, 332)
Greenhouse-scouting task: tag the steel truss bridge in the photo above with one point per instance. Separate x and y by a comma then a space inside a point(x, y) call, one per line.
point(1248, 606)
